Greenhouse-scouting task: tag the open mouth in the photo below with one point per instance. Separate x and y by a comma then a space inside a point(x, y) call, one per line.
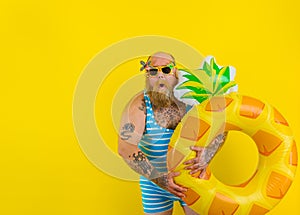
point(161, 85)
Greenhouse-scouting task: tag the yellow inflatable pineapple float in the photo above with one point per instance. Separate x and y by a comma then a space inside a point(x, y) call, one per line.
point(219, 109)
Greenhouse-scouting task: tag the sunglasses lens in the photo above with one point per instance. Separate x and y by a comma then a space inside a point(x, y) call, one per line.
point(166, 70)
point(153, 72)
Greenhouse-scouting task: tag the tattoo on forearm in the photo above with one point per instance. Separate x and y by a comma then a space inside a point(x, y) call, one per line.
point(139, 160)
point(139, 163)
point(143, 106)
point(162, 181)
point(213, 147)
point(127, 131)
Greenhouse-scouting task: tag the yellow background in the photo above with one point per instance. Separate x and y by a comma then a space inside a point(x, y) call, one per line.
point(46, 44)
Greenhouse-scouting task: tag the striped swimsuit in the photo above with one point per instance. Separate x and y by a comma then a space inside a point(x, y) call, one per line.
point(154, 144)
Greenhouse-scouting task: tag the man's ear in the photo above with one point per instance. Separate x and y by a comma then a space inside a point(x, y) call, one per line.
point(176, 73)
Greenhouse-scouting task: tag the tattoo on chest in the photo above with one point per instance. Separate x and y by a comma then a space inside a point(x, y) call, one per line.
point(127, 131)
point(167, 117)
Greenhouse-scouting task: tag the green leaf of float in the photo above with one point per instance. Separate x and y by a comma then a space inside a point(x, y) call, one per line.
point(215, 80)
point(220, 86)
point(197, 90)
point(191, 93)
point(196, 87)
point(190, 84)
point(221, 79)
point(215, 71)
point(220, 71)
point(225, 77)
point(212, 67)
point(199, 97)
point(190, 76)
point(215, 66)
point(207, 68)
point(224, 89)
point(206, 80)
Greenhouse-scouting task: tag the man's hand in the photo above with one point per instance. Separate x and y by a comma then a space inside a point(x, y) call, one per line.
point(166, 182)
point(204, 155)
point(197, 164)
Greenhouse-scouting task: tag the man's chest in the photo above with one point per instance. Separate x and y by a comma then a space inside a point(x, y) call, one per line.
point(168, 117)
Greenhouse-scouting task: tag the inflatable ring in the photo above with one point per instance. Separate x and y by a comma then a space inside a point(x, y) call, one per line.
point(277, 155)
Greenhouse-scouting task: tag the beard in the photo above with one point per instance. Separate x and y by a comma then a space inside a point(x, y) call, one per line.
point(160, 97)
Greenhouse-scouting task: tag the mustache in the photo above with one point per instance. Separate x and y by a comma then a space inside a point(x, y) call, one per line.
point(159, 82)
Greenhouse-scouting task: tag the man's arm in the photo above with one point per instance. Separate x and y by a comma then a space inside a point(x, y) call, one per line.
point(205, 155)
point(131, 131)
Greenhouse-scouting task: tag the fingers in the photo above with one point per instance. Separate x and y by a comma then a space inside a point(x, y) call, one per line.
point(173, 187)
point(172, 184)
point(196, 170)
point(202, 174)
point(173, 174)
point(177, 190)
point(195, 161)
point(191, 161)
point(196, 164)
point(198, 149)
point(192, 167)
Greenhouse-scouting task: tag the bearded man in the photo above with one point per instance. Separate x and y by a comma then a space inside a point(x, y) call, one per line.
point(147, 125)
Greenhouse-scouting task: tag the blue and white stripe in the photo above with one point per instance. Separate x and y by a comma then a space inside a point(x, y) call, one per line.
point(154, 144)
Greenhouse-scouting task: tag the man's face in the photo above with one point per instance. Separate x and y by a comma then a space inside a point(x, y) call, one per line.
point(161, 82)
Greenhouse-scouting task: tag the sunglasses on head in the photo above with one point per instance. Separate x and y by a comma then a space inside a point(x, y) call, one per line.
point(153, 70)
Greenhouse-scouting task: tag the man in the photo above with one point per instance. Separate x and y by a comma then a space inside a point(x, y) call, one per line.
point(146, 127)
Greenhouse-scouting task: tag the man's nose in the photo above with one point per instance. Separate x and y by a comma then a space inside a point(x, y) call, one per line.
point(160, 75)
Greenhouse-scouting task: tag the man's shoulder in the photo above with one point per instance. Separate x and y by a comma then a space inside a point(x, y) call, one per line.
point(139, 95)
point(137, 100)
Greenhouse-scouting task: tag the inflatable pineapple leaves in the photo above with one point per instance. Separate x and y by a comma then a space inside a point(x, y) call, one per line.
point(203, 83)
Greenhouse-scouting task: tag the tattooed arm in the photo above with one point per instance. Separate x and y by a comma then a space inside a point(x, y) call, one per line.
point(205, 155)
point(132, 128)
point(131, 131)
